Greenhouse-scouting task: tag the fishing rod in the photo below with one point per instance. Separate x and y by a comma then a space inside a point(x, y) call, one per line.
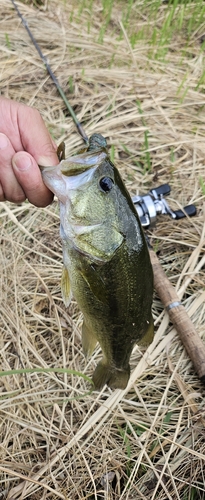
point(53, 77)
point(148, 207)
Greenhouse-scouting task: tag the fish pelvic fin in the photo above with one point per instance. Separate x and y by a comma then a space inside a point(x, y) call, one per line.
point(65, 287)
point(89, 340)
point(149, 334)
point(112, 376)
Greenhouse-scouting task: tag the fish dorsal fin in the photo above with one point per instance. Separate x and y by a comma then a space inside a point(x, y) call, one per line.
point(66, 287)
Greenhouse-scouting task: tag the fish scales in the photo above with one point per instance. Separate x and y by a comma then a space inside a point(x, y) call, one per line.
point(106, 260)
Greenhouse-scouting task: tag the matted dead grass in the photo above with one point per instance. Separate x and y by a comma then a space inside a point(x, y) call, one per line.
point(58, 441)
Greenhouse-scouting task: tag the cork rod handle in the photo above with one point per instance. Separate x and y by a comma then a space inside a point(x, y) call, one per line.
point(192, 342)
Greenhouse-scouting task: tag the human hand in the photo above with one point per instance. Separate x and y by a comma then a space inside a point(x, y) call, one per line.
point(25, 143)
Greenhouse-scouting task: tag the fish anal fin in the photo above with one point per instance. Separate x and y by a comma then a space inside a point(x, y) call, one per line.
point(149, 334)
point(89, 340)
point(113, 377)
point(66, 287)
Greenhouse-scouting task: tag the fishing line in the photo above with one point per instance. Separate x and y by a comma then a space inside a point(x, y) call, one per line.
point(53, 77)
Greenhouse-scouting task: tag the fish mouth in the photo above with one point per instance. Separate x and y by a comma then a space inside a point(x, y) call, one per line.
point(71, 173)
point(62, 185)
point(78, 164)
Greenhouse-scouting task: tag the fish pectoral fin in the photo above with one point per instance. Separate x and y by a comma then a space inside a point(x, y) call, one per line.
point(66, 287)
point(112, 376)
point(95, 283)
point(149, 335)
point(89, 341)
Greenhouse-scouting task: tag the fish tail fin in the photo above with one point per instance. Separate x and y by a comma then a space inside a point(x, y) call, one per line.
point(149, 334)
point(112, 376)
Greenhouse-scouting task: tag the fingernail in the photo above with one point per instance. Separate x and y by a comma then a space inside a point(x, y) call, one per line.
point(3, 141)
point(48, 162)
point(22, 162)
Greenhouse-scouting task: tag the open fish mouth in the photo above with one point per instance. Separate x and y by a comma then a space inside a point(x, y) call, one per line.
point(71, 173)
point(77, 164)
point(62, 184)
point(80, 163)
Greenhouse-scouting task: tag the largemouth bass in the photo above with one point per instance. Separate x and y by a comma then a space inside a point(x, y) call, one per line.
point(106, 260)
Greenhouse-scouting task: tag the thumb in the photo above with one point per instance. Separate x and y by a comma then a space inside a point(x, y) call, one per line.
point(29, 177)
point(49, 157)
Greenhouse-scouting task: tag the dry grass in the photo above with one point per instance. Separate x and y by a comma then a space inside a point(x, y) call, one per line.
point(57, 441)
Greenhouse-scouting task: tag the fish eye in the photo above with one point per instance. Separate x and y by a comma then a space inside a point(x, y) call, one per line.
point(106, 184)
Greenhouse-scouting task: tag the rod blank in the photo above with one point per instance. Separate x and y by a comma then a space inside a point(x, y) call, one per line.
point(53, 77)
point(192, 342)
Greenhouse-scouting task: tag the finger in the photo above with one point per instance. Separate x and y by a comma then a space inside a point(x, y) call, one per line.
point(10, 187)
point(29, 177)
point(2, 197)
point(35, 137)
